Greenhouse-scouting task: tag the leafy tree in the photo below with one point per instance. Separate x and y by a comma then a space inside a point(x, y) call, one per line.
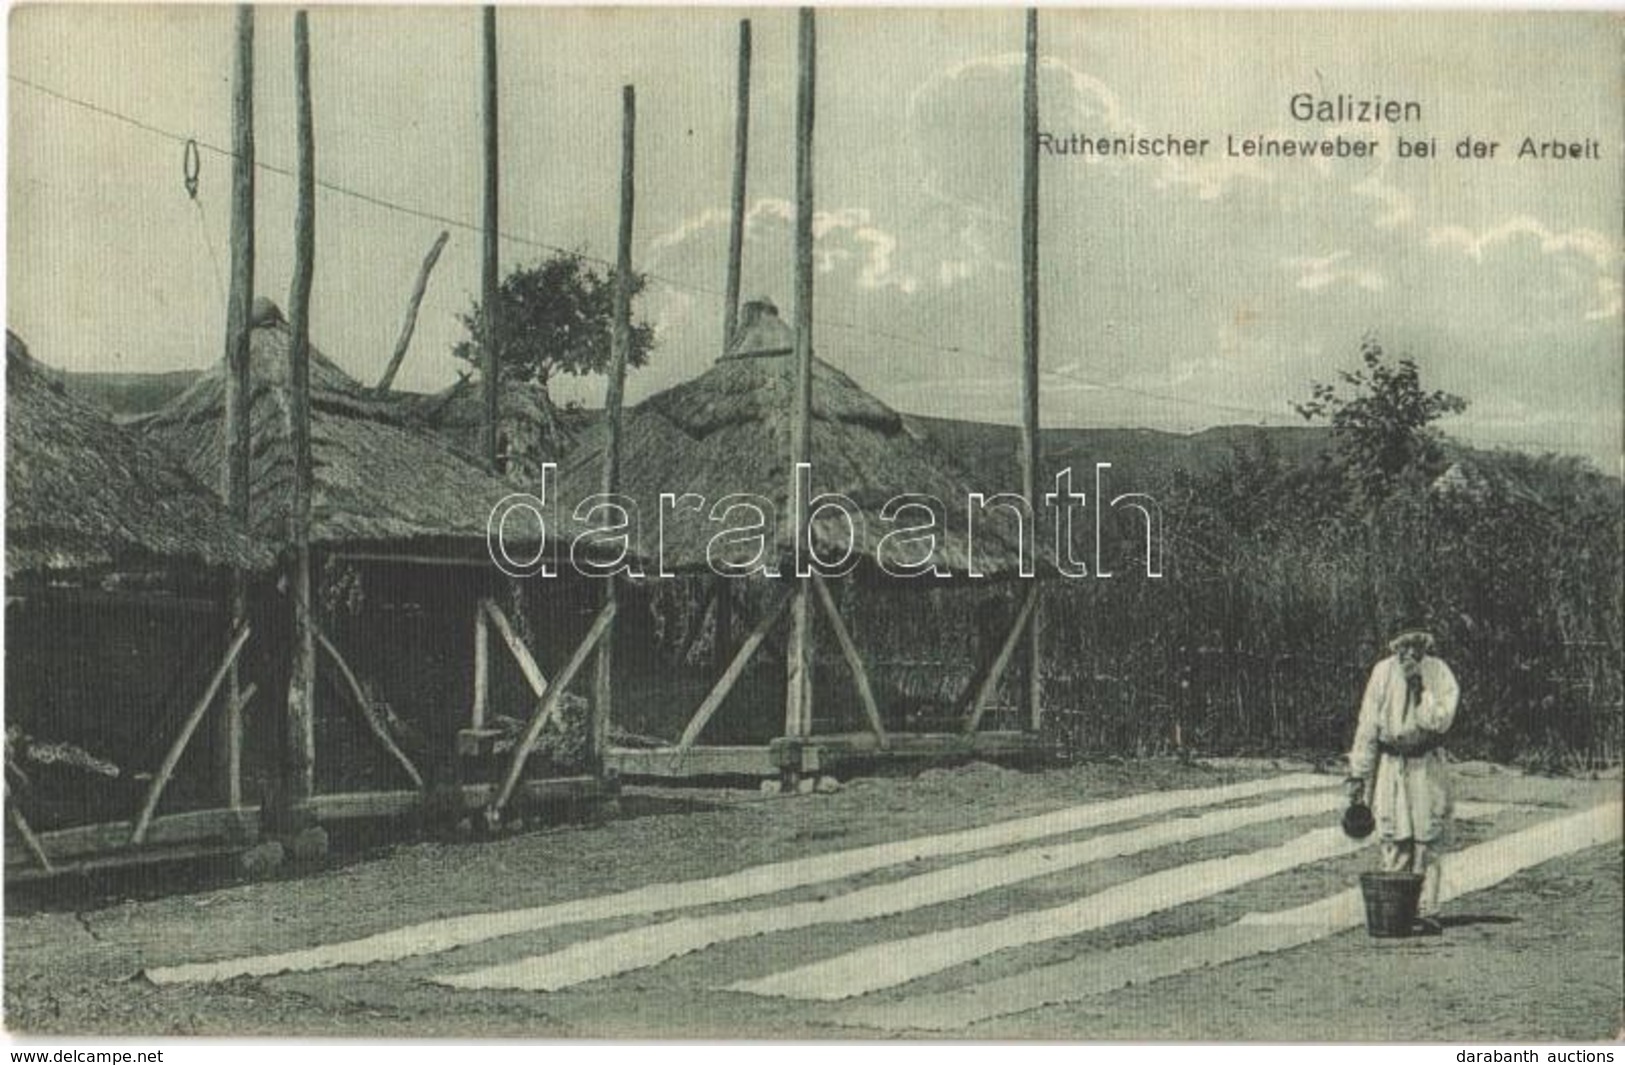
point(1382, 419)
point(555, 317)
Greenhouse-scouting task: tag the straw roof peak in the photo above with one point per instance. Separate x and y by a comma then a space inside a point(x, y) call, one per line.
point(378, 475)
point(761, 332)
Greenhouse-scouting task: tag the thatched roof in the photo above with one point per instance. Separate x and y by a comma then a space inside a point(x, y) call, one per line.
point(83, 493)
point(727, 431)
point(376, 478)
point(532, 431)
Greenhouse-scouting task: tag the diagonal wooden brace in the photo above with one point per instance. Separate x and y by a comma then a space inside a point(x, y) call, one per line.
point(548, 709)
point(990, 683)
point(854, 661)
point(365, 706)
point(725, 683)
point(521, 654)
point(161, 780)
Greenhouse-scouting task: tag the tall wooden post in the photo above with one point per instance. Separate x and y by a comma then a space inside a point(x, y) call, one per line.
point(234, 425)
point(620, 353)
point(722, 596)
point(1031, 470)
point(799, 689)
point(302, 680)
point(736, 224)
point(488, 274)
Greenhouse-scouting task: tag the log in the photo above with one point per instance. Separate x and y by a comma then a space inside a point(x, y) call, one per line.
point(719, 691)
point(489, 298)
point(990, 683)
point(30, 840)
point(736, 218)
point(365, 706)
point(548, 709)
point(482, 667)
point(234, 427)
point(521, 654)
point(301, 711)
point(798, 701)
point(854, 662)
point(603, 688)
point(410, 325)
point(1030, 438)
point(167, 769)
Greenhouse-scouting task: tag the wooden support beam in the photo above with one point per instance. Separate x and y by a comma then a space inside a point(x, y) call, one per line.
point(722, 628)
point(482, 667)
point(854, 662)
point(482, 563)
point(490, 302)
point(234, 427)
point(155, 790)
point(798, 701)
point(719, 691)
point(301, 719)
point(603, 688)
point(692, 636)
point(240, 300)
point(410, 325)
point(516, 647)
point(990, 683)
point(364, 704)
point(1031, 445)
point(30, 841)
point(548, 709)
point(736, 223)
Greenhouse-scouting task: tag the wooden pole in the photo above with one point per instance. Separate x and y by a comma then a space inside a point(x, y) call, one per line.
point(798, 707)
point(736, 225)
point(482, 668)
point(990, 684)
point(234, 425)
point(172, 758)
point(489, 298)
point(1031, 457)
point(302, 680)
point(411, 323)
point(620, 353)
point(721, 593)
point(548, 709)
point(374, 722)
point(521, 654)
point(719, 691)
point(854, 662)
point(30, 840)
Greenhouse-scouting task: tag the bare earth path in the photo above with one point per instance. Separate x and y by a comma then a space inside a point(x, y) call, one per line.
point(1536, 956)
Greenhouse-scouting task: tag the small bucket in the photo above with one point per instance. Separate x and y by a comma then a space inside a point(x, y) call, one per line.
point(1390, 902)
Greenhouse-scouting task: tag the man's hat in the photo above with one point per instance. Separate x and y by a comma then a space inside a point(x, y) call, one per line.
point(1419, 639)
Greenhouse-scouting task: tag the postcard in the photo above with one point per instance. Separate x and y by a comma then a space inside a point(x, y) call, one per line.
point(830, 524)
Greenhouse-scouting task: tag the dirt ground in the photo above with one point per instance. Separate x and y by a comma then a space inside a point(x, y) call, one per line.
point(1538, 957)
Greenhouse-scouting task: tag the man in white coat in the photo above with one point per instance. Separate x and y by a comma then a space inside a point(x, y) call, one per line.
point(1397, 764)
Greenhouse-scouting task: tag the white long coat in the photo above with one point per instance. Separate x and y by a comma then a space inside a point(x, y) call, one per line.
point(1409, 793)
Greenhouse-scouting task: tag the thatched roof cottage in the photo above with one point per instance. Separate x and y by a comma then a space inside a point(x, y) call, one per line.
point(83, 493)
point(376, 478)
point(728, 431)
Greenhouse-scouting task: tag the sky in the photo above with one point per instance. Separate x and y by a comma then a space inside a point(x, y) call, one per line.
point(1176, 294)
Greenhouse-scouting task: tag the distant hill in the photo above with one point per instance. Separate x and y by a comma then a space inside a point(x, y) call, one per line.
point(1140, 458)
point(128, 393)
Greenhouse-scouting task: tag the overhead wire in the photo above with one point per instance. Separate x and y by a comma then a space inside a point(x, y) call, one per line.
point(381, 203)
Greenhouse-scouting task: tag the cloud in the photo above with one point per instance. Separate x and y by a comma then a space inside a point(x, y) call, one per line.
point(1586, 245)
point(1315, 274)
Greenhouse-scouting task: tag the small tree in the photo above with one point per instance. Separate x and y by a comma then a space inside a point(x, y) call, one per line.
point(1382, 419)
point(555, 317)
